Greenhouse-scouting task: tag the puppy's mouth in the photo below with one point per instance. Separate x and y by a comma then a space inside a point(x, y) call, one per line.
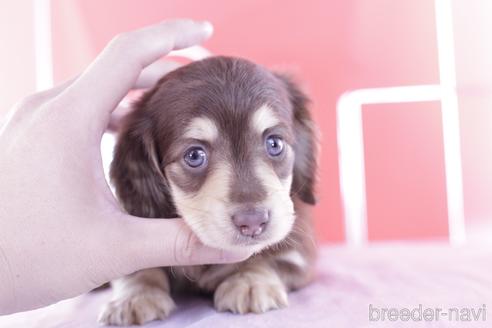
point(256, 227)
point(255, 242)
point(242, 240)
point(250, 233)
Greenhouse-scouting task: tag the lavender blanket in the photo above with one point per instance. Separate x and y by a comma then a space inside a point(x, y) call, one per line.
point(382, 285)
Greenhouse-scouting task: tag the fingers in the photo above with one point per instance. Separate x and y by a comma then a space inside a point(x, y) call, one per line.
point(116, 119)
point(153, 73)
point(108, 79)
point(168, 242)
point(189, 250)
point(147, 79)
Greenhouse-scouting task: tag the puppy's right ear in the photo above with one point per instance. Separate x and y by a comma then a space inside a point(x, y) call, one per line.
point(140, 184)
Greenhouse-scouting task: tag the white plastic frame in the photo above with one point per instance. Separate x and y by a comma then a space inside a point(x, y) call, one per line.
point(351, 143)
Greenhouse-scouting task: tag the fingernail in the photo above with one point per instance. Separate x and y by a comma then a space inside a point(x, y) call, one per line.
point(208, 27)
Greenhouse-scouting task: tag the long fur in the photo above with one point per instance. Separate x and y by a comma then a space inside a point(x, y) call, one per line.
point(148, 181)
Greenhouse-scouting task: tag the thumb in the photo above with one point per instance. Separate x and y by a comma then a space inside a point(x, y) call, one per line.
point(168, 242)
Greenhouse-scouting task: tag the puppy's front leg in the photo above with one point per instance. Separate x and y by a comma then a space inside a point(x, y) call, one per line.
point(138, 298)
point(256, 287)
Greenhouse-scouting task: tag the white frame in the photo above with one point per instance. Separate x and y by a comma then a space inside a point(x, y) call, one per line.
point(351, 143)
point(43, 47)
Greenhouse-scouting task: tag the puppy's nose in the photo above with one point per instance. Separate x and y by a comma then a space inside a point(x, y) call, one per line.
point(251, 222)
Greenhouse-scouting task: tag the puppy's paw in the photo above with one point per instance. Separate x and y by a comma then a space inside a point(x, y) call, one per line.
point(137, 308)
point(250, 292)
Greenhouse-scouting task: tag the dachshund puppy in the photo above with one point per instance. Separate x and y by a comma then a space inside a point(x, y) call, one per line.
point(230, 147)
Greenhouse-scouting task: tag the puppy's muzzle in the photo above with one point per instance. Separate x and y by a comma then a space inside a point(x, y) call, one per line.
point(251, 222)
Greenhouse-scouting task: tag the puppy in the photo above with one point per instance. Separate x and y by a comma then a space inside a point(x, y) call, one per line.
point(230, 147)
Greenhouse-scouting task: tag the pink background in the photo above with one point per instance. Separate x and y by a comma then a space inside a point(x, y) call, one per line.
point(333, 47)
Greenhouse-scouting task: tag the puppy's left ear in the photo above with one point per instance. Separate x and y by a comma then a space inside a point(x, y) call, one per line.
point(305, 147)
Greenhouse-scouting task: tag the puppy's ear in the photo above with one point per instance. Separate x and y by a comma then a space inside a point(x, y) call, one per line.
point(305, 147)
point(140, 184)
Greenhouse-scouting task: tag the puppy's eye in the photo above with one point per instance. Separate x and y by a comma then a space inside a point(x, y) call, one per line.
point(195, 157)
point(274, 145)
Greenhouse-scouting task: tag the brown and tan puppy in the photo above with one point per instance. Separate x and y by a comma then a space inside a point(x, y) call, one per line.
point(229, 147)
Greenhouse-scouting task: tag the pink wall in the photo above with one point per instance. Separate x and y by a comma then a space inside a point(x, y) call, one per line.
point(336, 46)
point(404, 156)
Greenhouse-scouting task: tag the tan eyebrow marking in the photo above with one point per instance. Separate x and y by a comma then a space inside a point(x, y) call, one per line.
point(202, 128)
point(264, 118)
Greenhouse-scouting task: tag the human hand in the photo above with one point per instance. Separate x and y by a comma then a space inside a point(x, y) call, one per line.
point(62, 232)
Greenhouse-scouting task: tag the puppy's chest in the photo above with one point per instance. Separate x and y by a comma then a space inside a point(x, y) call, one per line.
point(203, 277)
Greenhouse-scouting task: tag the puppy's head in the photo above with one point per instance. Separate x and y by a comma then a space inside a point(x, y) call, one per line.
point(225, 144)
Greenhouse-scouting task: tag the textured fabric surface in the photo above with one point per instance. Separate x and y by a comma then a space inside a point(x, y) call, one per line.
point(386, 275)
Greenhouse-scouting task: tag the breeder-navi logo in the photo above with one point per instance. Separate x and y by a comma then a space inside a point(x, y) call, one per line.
point(421, 313)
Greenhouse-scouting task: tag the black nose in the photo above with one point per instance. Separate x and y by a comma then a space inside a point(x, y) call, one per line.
point(251, 222)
